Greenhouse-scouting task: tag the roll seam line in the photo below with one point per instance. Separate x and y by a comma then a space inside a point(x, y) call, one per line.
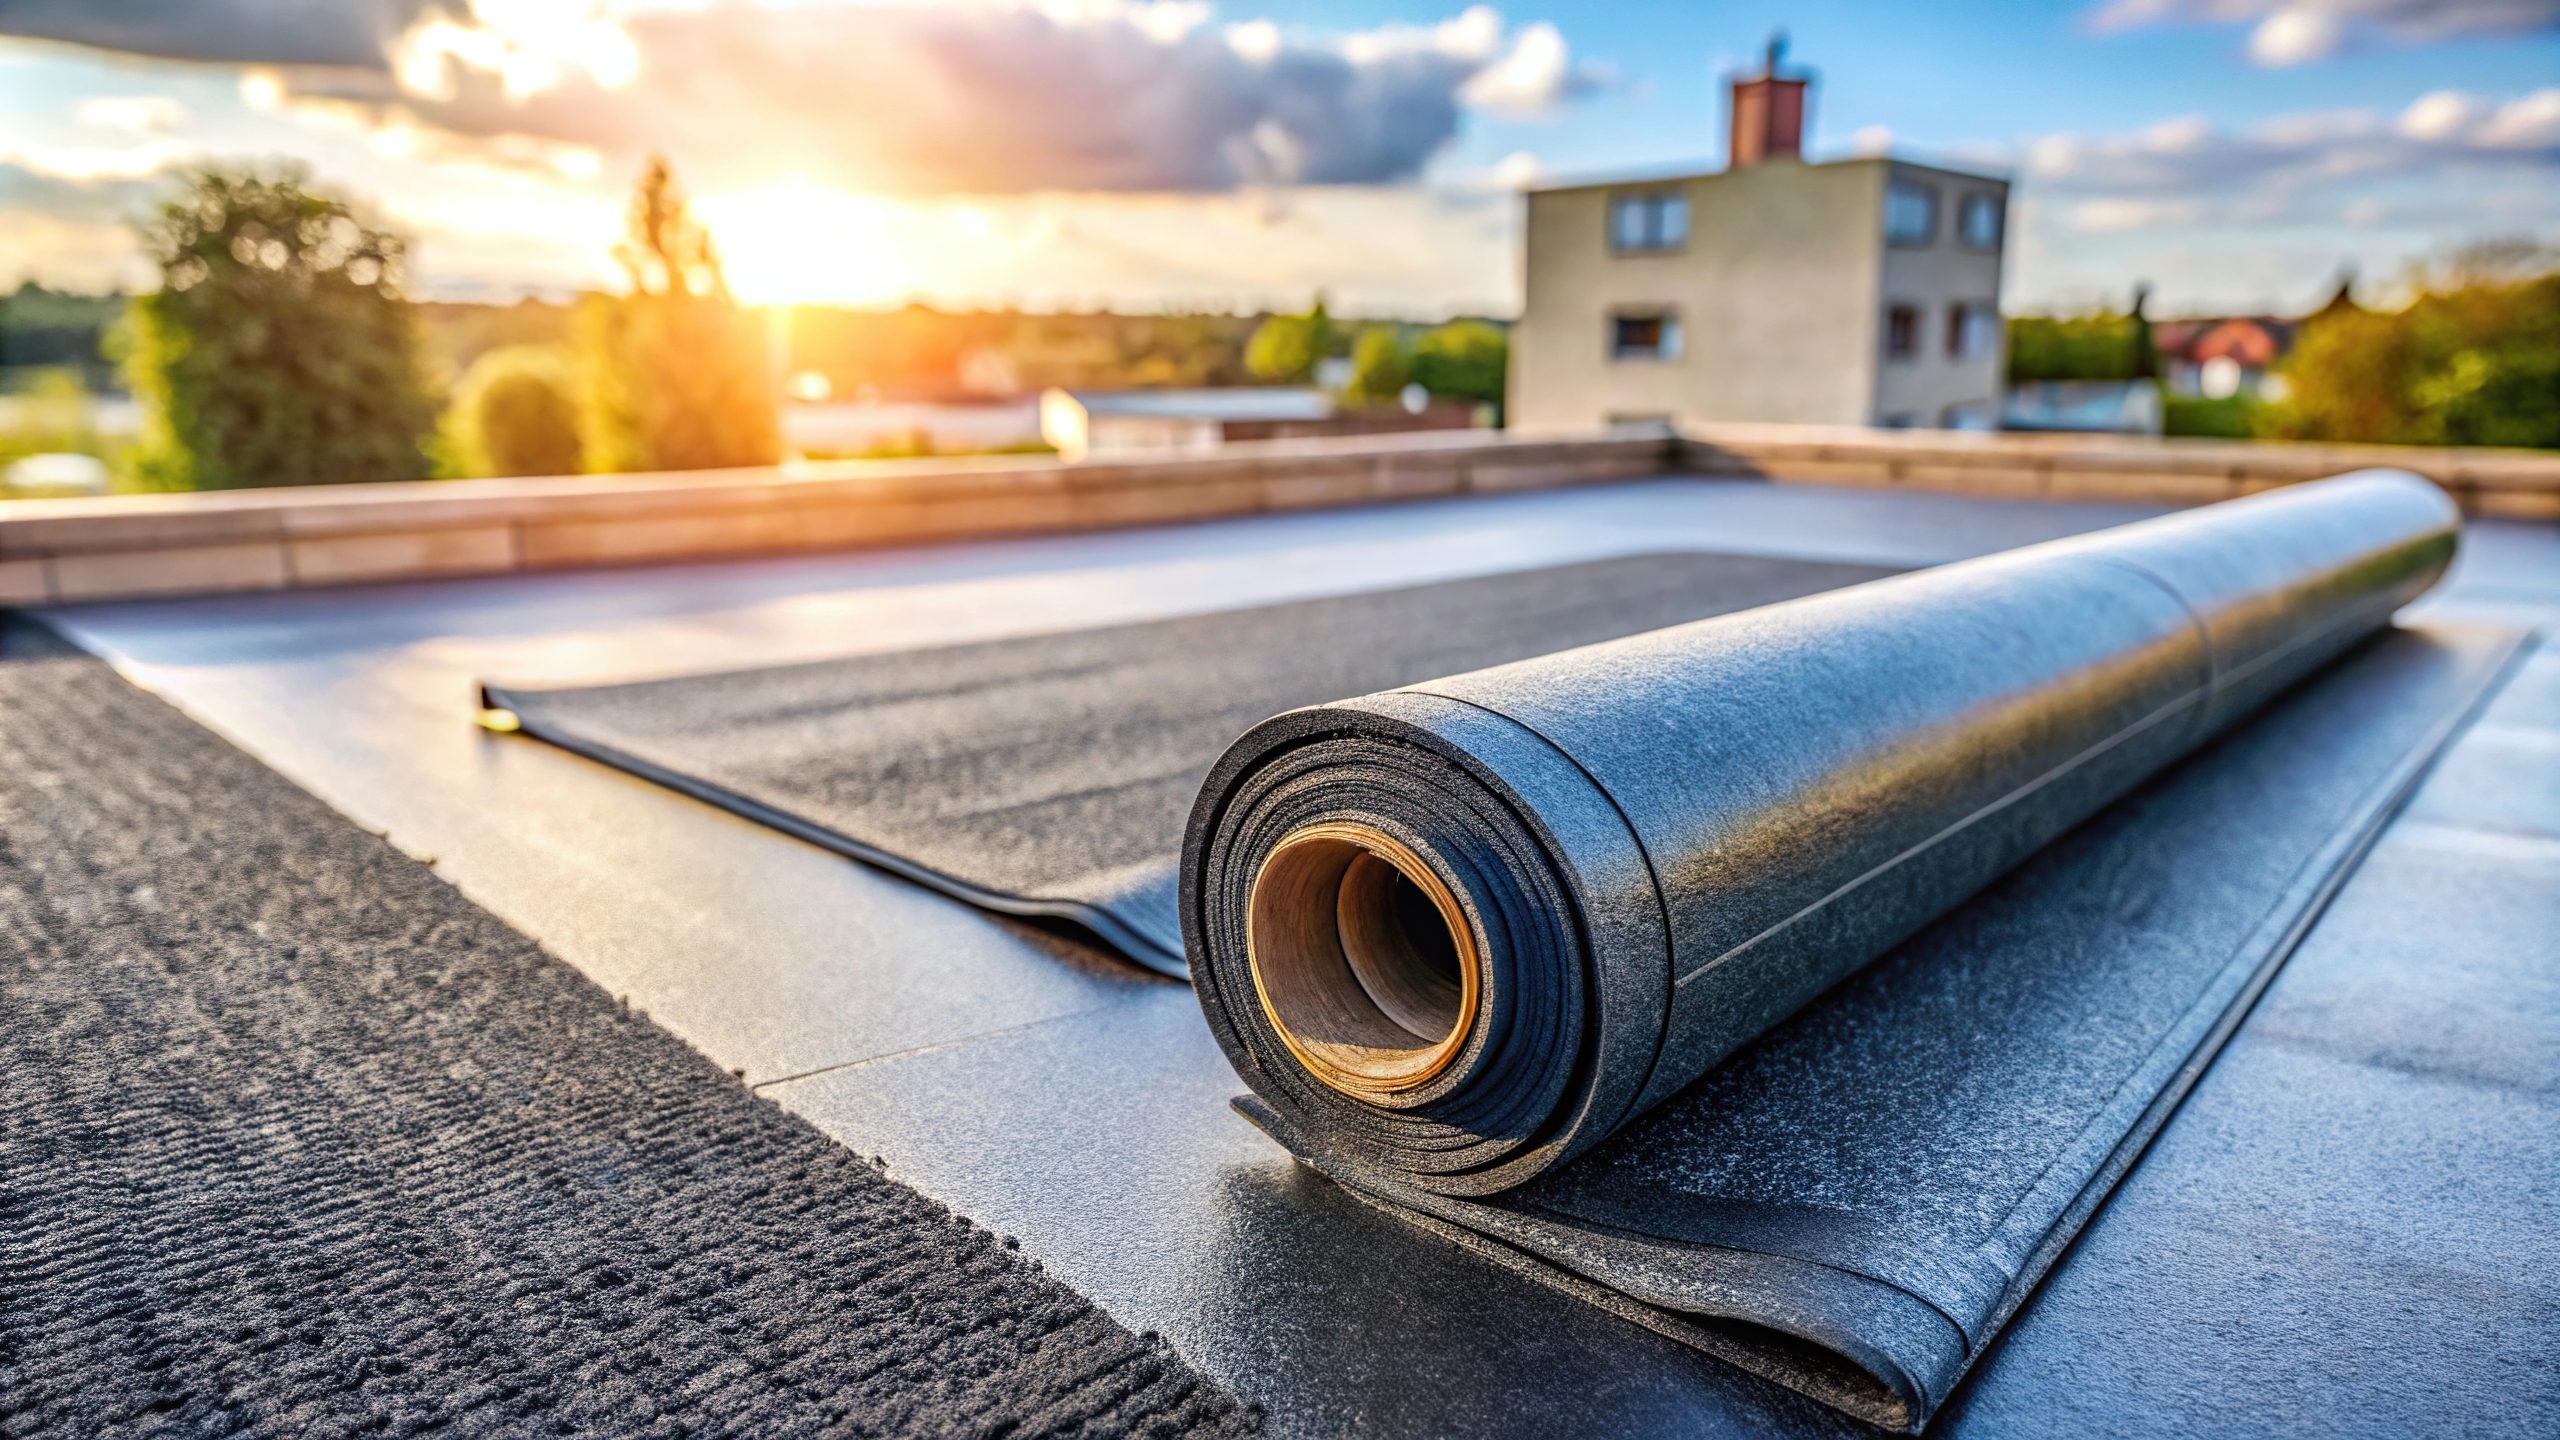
point(2204, 631)
point(1888, 866)
point(2212, 689)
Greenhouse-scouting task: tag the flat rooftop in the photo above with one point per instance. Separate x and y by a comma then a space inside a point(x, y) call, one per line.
point(1057, 1094)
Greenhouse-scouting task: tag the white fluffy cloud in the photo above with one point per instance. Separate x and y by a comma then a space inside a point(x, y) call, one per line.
point(2259, 217)
point(2295, 167)
point(988, 97)
point(133, 114)
point(2293, 32)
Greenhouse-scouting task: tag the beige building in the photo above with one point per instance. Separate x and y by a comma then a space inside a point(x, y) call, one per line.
point(1858, 292)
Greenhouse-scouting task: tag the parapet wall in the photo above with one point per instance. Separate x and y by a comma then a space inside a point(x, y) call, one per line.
point(2510, 484)
point(124, 547)
point(68, 551)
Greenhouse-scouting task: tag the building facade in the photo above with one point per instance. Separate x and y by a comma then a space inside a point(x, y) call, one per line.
point(1858, 292)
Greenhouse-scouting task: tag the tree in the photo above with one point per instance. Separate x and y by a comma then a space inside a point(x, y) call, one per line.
point(278, 349)
point(673, 376)
point(515, 412)
point(1379, 368)
point(1463, 360)
point(2348, 378)
point(2104, 346)
point(2473, 360)
point(2146, 352)
point(1285, 348)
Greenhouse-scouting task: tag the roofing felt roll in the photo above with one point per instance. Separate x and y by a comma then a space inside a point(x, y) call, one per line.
point(1465, 939)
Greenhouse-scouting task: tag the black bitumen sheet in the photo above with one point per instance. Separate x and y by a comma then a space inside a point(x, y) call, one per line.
point(1665, 847)
point(296, 1140)
point(1051, 775)
point(1894, 1168)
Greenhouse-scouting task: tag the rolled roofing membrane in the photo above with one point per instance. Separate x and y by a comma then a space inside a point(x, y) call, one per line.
point(1474, 943)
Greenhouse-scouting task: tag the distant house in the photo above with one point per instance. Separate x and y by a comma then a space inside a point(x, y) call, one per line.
point(2219, 357)
point(1084, 422)
point(1857, 292)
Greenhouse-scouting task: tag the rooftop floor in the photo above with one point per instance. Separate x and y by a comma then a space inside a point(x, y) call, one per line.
point(1057, 1094)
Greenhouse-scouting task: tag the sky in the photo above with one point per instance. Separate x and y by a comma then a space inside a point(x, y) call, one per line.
point(2236, 155)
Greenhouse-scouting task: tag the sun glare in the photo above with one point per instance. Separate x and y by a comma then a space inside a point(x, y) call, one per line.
point(798, 242)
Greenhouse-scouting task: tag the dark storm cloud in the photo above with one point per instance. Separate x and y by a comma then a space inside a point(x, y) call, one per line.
point(271, 32)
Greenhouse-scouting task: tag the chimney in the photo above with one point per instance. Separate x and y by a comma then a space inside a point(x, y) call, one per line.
point(1768, 111)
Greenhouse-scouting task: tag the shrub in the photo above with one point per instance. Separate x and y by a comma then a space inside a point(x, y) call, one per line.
point(2104, 346)
point(52, 415)
point(1285, 348)
point(515, 412)
point(1463, 360)
point(2234, 417)
point(1379, 370)
point(278, 350)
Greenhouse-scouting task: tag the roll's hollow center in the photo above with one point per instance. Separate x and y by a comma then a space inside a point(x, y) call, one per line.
point(1364, 962)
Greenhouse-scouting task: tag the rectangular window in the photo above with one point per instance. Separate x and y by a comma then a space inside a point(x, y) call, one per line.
point(1902, 332)
point(1910, 213)
point(1648, 222)
point(1652, 335)
point(1973, 330)
point(1978, 222)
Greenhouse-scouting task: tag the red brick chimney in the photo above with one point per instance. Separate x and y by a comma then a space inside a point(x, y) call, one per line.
point(1768, 111)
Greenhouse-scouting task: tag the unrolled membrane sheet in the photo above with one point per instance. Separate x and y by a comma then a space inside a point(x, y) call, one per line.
point(1797, 982)
point(1049, 775)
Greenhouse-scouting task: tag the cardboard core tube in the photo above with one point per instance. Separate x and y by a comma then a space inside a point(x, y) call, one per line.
point(1364, 963)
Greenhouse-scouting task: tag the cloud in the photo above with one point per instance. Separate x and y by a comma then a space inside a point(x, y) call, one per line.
point(1519, 170)
point(990, 97)
point(2295, 32)
point(275, 32)
point(1533, 77)
point(26, 187)
point(2299, 168)
point(131, 114)
point(73, 232)
point(84, 167)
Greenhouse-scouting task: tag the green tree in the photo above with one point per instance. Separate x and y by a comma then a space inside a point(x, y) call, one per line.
point(2473, 360)
point(2349, 378)
point(1463, 360)
point(278, 349)
point(1285, 348)
point(673, 375)
point(1380, 369)
point(515, 412)
point(2103, 346)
